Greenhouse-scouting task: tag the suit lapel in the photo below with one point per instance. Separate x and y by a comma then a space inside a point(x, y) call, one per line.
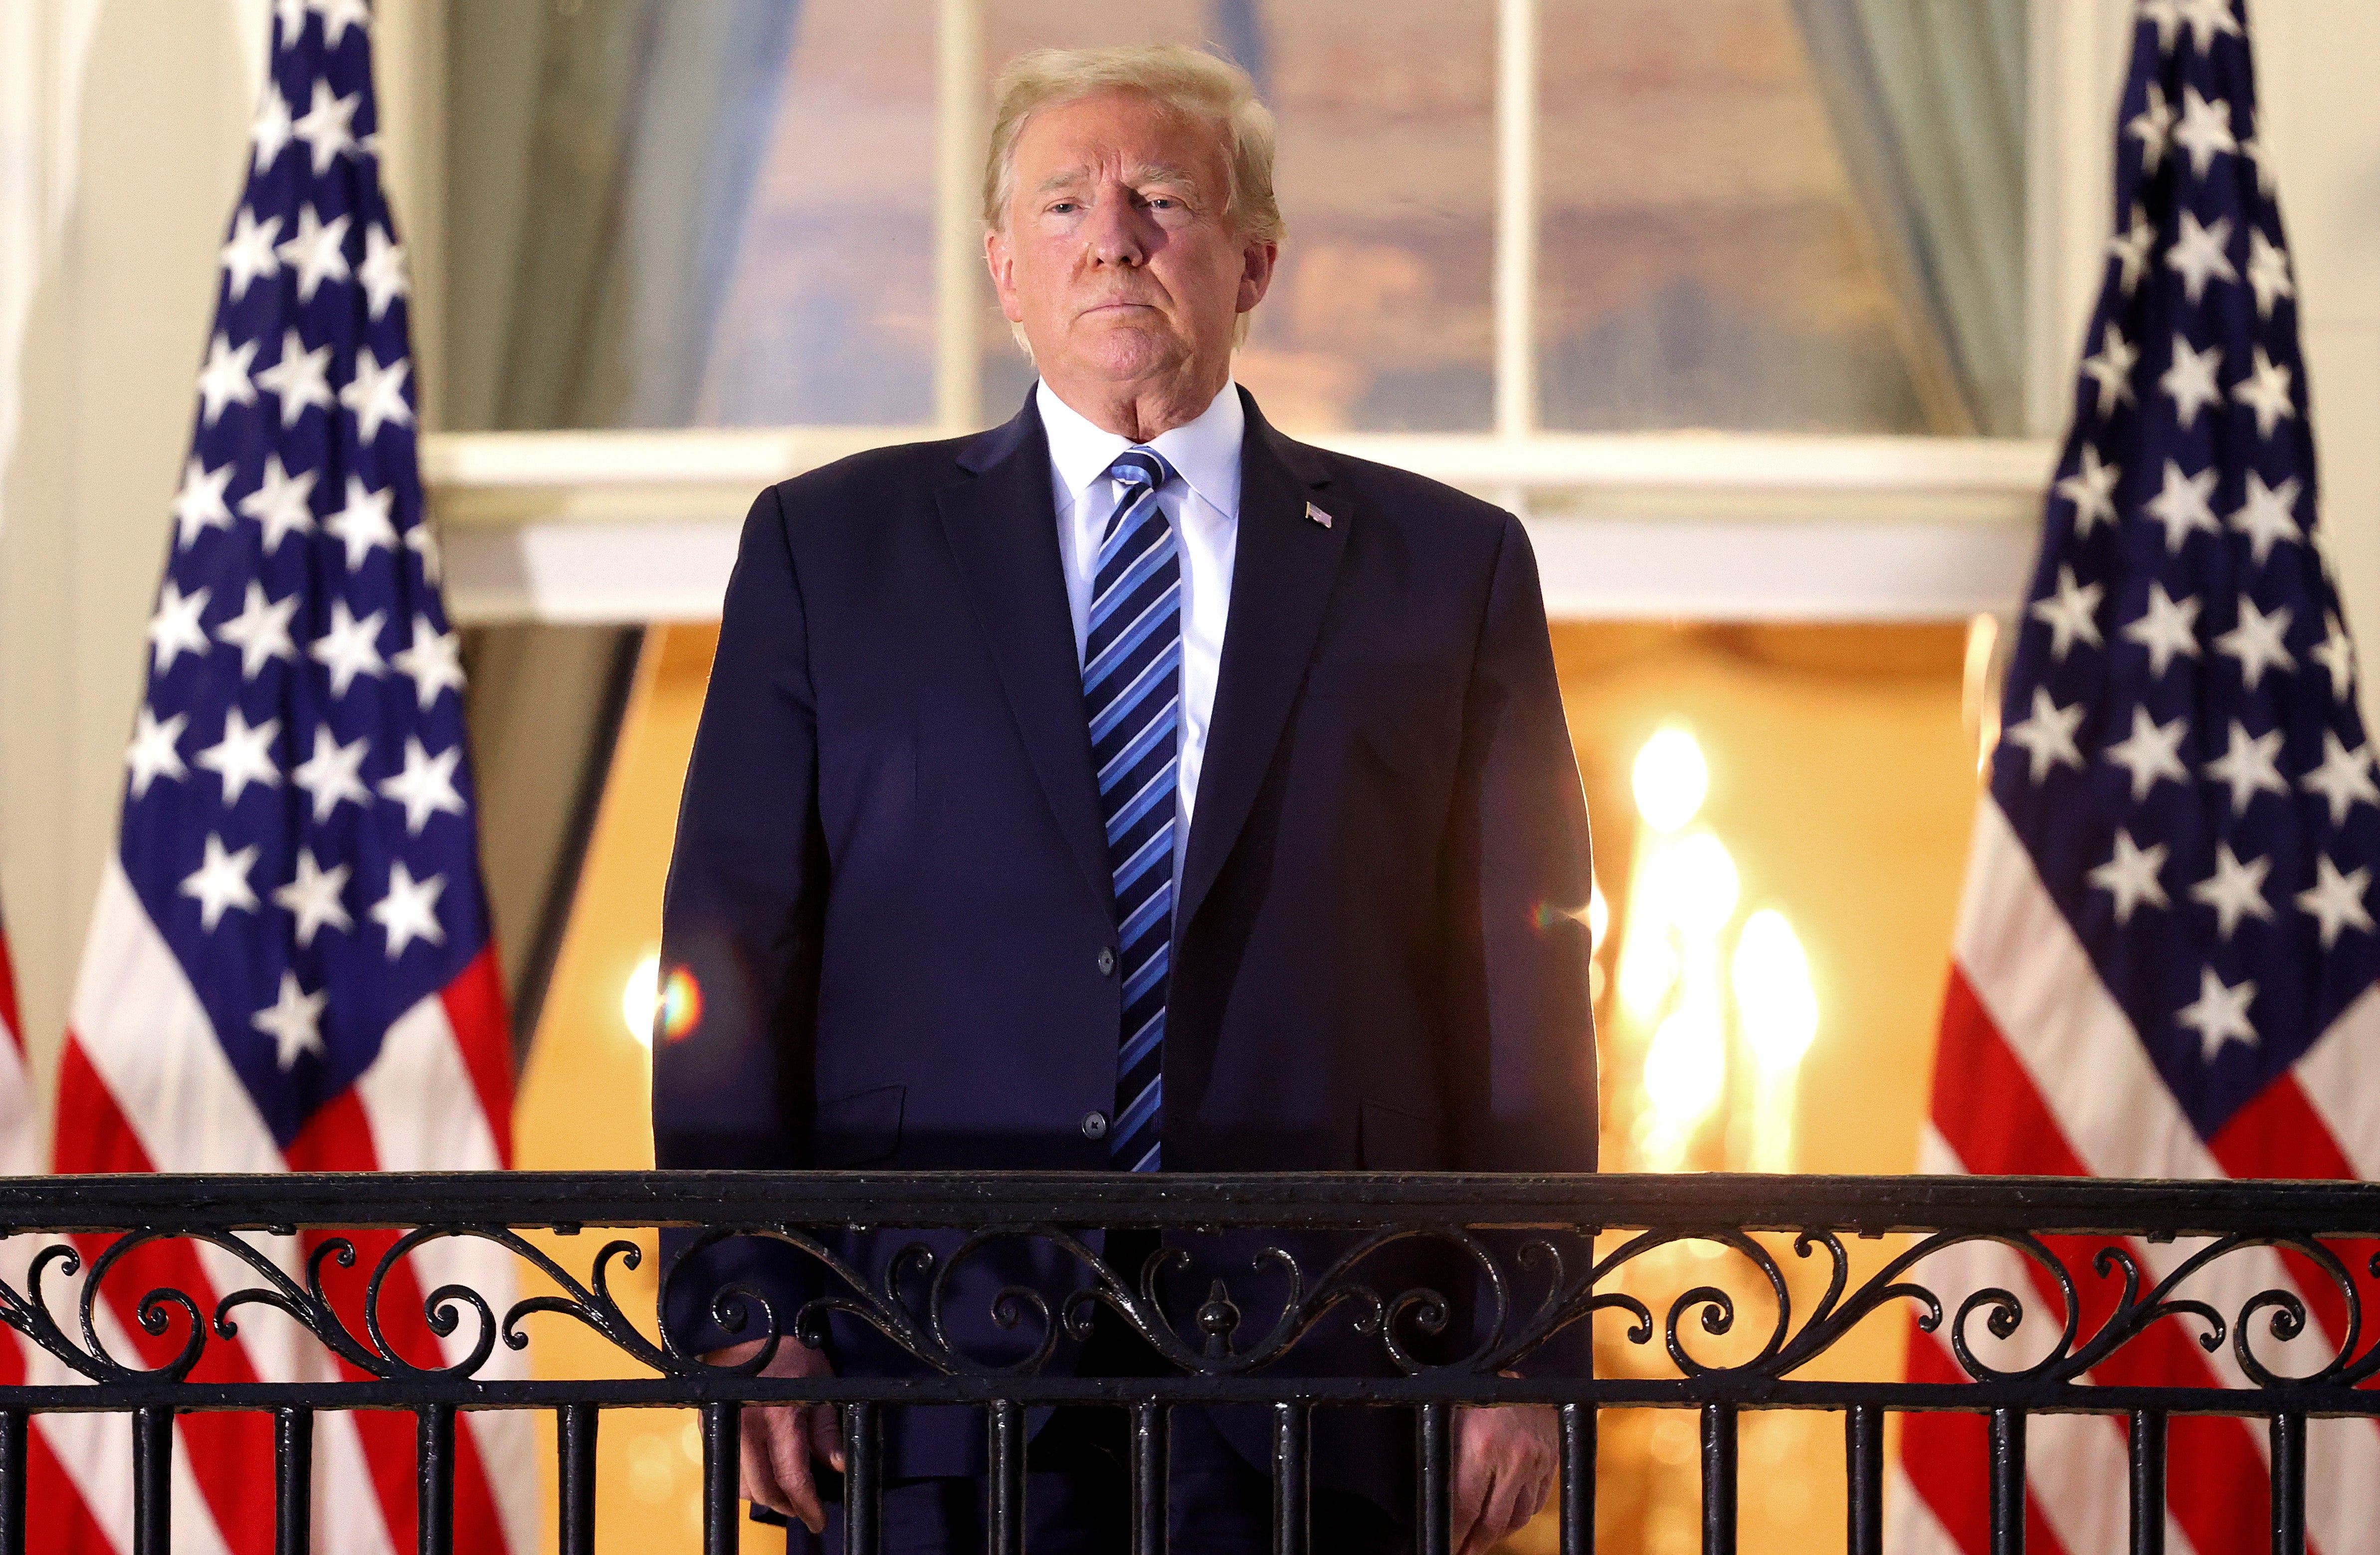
point(1281, 584)
point(1002, 527)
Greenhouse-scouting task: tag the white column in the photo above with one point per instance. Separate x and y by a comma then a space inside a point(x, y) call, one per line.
point(958, 229)
point(122, 139)
point(1516, 231)
point(1516, 217)
point(409, 70)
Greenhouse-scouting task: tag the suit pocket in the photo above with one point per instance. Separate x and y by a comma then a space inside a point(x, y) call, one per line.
point(861, 1127)
point(1396, 718)
point(1391, 1139)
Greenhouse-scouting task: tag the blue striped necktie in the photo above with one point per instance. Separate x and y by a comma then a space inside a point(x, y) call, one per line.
point(1132, 690)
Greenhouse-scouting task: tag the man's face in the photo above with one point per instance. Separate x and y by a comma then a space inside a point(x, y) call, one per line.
point(1119, 259)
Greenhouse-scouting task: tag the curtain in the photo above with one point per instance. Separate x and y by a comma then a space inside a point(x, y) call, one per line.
point(635, 171)
point(1928, 101)
point(1239, 36)
point(611, 149)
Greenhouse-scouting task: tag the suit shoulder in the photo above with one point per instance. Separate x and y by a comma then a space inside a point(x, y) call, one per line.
point(1428, 507)
point(867, 481)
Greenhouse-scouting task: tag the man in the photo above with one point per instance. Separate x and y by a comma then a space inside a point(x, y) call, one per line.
point(1129, 787)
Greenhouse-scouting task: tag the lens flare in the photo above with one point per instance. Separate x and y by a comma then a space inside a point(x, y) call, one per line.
point(650, 1002)
point(641, 1000)
point(681, 1004)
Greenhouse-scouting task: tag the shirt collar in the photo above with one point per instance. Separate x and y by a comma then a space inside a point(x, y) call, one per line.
point(1205, 453)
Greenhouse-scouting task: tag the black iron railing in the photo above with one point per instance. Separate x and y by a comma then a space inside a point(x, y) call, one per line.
point(1723, 1294)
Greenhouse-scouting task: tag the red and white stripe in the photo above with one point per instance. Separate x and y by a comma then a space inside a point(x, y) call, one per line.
point(58, 1501)
point(144, 1087)
point(2040, 1072)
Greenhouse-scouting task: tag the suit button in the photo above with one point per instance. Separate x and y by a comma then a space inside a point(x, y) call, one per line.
point(1095, 1125)
point(1107, 970)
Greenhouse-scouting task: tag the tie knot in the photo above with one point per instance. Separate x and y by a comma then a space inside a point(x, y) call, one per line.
point(1141, 467)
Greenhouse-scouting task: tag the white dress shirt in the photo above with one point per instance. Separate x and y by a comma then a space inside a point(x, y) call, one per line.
point(1204, 506)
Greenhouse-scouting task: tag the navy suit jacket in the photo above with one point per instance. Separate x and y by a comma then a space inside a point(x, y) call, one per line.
point(891, 886)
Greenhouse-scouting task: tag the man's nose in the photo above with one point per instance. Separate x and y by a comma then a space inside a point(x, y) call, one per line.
point(1119, 233)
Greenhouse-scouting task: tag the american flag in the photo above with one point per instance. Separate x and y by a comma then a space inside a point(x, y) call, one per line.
point(2166, 952)
point(289, 966)
point(21, 1134)
point(61, 1505)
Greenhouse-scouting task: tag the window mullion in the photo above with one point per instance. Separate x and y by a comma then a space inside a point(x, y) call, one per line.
point(960, 129)
point(1516, 218)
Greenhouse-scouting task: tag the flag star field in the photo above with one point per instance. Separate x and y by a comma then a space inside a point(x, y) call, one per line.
point(297, 808)
point(2183, 756)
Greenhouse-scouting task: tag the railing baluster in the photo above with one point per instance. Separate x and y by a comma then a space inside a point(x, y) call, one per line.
point(863, 1479)
point(2289, 1483)
point(1292, 1514)
point(1863, 1470)
point(1007, 1486)
point(1149, 1510)
point(573, 1448)
point(1577, 1489)
point(434, 1463)
point(153, 1481)
point(13, 1446)
point(293, 1481)
point(2008, 1482)
point(722, 1450)
point(1433, 1426)
point(1719, 1479)
point(2148, 1482)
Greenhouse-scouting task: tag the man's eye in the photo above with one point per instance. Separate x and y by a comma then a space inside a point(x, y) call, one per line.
point(1062, 208)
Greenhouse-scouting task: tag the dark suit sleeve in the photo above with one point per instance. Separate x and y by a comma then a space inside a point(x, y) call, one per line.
point(1521, 1065)
point(740, 924)
point(1521, 1058)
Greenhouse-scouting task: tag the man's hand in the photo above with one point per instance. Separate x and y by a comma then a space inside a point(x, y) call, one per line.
point(1504, 1461)
point(780, 1438)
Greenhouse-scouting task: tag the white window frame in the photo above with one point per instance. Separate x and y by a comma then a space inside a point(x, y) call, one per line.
point(623, 526)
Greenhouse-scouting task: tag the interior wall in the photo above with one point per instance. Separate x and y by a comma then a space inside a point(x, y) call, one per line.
point(2321, 120)
point(114, 312)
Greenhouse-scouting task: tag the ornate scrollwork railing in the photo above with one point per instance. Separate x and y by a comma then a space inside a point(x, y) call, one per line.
point(1293, 1291)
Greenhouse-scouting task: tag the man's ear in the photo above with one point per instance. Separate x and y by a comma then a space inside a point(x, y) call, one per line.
point(1256, 262)
point(1001, 261)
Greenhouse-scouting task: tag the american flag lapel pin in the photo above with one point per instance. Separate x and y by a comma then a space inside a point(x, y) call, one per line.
point(1318, 515)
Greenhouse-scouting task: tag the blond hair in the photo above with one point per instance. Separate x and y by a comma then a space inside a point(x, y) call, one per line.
point(1183, 79)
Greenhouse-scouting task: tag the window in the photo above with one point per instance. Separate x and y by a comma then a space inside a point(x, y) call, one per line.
point(1726, 214)
point(1651, 272)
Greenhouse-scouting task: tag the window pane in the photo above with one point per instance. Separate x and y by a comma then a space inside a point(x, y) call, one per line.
point(692, 214)
point(1382, 316)
point(1754, 215)
point(831, 317)
point(1723, 184)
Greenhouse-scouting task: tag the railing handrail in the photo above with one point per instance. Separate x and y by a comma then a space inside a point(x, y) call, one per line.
point(1502, 1265)
point(1868, 1206)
